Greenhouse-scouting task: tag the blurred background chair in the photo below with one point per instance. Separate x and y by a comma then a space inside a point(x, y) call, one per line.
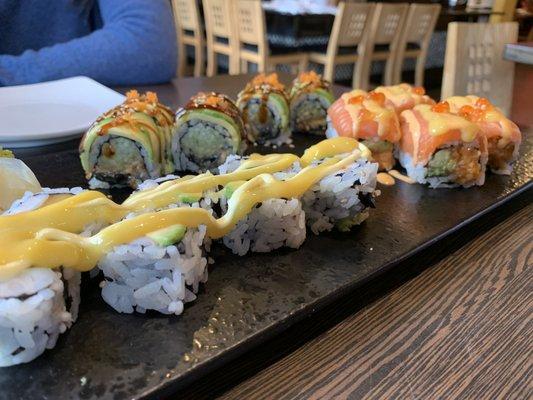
point(383, 39)
point(221, 34)
point(347, 40)
point(253, 44)
point(474, 64)
point(189, 31)
point(415, 38)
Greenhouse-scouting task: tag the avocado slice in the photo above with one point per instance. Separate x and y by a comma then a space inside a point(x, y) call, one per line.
point(189, 198)
point(231, 187)
point(380, 146)
point(442, 164)
point(168, 236)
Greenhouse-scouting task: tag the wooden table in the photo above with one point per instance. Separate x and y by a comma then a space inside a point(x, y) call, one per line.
point(454, 324)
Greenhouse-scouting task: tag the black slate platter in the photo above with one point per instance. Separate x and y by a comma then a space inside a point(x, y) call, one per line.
point(246, 300)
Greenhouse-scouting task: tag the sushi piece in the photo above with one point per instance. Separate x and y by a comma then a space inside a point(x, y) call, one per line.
point(366, 117)
point(265, 110)
point(36, 306)
point(502, 134)
point(310, 99)
point(441, 147)
point(208, 129)
point(160, 271)
point(404, 96)
point(39, 304)
point(129, 143)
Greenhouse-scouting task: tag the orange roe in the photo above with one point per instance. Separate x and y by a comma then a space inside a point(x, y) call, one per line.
point(377, 97)
point(356, 99)
point(442, 107)
point(419, 90)
point(271, 80)
point(483, 103)
point(309, 77)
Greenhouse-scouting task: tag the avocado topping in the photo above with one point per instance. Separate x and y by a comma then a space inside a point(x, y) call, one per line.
point(168, 236)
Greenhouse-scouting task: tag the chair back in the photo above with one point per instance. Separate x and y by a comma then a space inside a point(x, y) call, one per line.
point(189, 32)
point(420, 23)
point(251, 25)
point(187, 18)
point(389, 19)
point(221, 34)
point(350, 25)
point(474, 64)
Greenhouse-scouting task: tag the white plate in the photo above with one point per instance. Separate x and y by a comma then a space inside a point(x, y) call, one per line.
point(50, 112)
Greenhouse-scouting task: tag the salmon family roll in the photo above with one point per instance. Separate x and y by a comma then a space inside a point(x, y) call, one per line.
point(365, 116)
point(129, 143)
point(265, 110)
point(404, 96)
point(442, 147)
point(503, 135)
point(310, 99)
point(208, 129)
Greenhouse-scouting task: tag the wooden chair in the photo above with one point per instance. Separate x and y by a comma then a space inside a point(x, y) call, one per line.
point(189, 32)
point(418, 29)
point(385, 30)
point(474, 64)
point(221, 33)
point(252, 40)
point(349, 31)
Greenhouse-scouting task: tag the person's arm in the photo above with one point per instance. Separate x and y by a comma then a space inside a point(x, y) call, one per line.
point(136, 45)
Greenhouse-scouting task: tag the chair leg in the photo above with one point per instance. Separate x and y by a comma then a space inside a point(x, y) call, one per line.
point(198, 60)
point(389, 71)
point(303, 65)
point(419, 69)
point(244, 66)
point(398, 68)
point(182, 60)
point(211, 64)
point(329, 72)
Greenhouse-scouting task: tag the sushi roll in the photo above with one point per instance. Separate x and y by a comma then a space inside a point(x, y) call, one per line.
point(404, 96)
point(208, 129)
point(265, 110)
point(129, 143)
point(441, 147)
point(310, 99)
point(503, 135)
point(366, 117)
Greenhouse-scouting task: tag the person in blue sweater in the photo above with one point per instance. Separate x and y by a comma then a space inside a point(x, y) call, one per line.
point(116, 42)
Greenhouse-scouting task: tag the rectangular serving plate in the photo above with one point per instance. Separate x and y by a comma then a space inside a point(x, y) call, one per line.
point(247, 300)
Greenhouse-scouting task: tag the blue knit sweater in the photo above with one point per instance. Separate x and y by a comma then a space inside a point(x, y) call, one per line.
point(117, 42)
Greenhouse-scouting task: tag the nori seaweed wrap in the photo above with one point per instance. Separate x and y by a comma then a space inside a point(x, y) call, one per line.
point(265, 110)
point(208, 129)
point(310, 99)
point(128, 144)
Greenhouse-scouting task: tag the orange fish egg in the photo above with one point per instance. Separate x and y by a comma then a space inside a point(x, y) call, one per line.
point(356, 99)
point(377, 97)
point(442, 107)
point(419, 90)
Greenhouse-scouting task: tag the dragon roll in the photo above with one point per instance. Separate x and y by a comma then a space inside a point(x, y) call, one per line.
point(265, 110)
point(442, 147)
point(208, 129)
point(128, 144)
point(310, 99)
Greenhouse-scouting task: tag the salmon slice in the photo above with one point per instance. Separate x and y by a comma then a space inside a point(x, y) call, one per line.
point(404, 96)
point(363, 115)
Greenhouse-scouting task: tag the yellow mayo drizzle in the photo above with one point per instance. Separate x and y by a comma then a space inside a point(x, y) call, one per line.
point(440, 123)
point(382, 115)
point(47, 237)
